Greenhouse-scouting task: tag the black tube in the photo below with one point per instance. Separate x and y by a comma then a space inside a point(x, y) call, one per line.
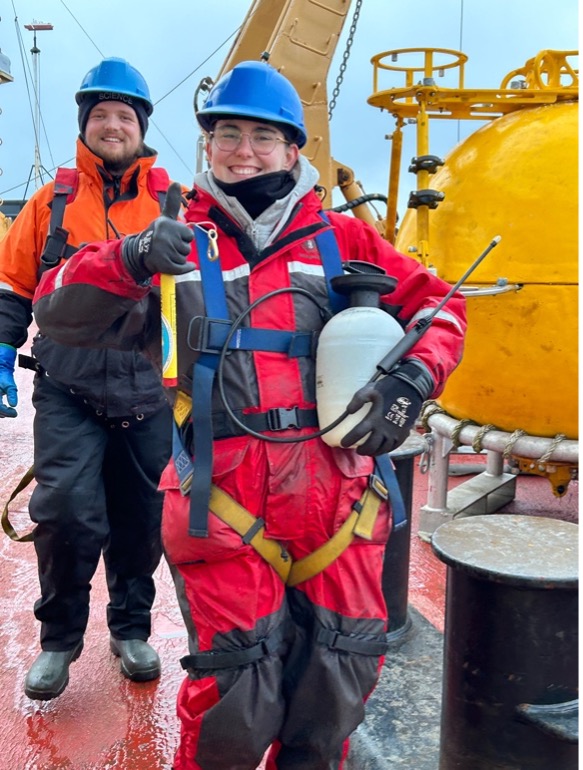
point(414, 334)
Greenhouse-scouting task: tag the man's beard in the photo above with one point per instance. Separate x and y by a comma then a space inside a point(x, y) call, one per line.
point(117, 167)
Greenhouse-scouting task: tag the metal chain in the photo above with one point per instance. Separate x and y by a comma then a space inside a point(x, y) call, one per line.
point(345, 57)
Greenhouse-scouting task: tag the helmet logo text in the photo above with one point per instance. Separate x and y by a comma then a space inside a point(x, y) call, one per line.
point(110, 96)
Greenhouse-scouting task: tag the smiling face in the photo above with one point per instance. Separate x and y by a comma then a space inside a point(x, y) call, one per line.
point(244, 162)
point(113, 133)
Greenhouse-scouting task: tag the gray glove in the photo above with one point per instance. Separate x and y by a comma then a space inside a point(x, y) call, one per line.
point(163, 246)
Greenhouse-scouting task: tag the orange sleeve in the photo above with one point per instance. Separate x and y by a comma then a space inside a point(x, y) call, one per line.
point(22, 246)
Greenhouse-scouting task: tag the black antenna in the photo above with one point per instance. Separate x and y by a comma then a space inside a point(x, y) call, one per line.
point(419, 329)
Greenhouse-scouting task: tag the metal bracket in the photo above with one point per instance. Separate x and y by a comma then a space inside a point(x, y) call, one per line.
point(559, 474)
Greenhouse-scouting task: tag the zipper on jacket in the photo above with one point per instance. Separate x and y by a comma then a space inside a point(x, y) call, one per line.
point(113, 184)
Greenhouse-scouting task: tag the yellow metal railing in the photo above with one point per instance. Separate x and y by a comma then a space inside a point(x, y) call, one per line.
point(543, 76)
point(547, 78)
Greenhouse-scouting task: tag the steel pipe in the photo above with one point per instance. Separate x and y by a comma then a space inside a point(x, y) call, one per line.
point(533, 447)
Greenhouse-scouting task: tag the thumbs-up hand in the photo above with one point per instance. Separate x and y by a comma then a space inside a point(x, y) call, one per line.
point(163, 246)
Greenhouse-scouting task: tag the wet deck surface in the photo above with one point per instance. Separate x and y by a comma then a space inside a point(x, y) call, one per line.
point(104, 722)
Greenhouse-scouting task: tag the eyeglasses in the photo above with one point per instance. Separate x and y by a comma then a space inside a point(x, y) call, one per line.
point(262, 141)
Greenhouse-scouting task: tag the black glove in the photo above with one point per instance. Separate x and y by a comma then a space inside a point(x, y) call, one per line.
point(396, 402)
point(163, 246)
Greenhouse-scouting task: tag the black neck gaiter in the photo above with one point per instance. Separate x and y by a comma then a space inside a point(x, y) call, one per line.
point(259, 192)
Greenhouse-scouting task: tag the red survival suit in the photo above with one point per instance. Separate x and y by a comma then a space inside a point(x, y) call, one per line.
point(270, 665)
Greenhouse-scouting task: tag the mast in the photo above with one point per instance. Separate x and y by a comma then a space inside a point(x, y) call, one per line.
point(35, 51)
point(5, 77)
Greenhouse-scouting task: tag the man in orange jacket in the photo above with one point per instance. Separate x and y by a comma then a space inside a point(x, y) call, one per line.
point(102, 429)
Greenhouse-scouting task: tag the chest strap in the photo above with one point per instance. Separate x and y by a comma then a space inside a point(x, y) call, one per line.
point(208, 335)
point(56, 247)
point(275, 419)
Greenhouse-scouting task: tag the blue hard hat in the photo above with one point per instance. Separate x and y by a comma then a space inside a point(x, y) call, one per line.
point(258, 91)
point(116, 76)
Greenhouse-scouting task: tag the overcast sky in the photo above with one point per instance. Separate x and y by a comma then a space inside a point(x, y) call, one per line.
point(174, 45)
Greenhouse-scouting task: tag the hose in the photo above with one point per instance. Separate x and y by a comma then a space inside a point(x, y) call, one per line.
point(225, 349)
point(359, 201)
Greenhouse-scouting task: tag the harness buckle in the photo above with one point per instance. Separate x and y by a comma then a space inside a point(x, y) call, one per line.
point(55, 247)
point(377, 486)
point(281, 419)
point(329, 637)
point(198, 336)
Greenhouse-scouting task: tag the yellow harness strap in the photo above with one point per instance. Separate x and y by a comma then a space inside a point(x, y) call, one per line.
point(251, 529)
point(6, 524)
point(182, 407)
point(360, 522)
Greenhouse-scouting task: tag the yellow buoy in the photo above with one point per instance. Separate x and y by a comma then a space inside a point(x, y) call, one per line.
point(515, 177)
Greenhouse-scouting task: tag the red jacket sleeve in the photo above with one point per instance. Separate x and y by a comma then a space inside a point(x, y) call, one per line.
point(92, 299)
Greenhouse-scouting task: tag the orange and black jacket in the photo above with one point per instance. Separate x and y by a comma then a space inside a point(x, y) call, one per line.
point(103, 208)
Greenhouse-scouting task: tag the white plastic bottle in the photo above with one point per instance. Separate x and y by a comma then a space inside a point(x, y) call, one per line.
point(350, 346)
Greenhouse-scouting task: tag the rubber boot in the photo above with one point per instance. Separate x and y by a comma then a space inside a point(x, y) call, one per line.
point(139, 661)
point(49, 674)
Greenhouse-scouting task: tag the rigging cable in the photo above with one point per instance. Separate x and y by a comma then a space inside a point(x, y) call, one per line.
point(25, 67)
point(87, 35)
point(153, 122)
point(183, 81)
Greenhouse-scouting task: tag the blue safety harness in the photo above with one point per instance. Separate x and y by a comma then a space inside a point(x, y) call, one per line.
point(217, 325)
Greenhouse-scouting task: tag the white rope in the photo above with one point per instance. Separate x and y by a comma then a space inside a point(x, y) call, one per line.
point(512, 441)
point(554, 444)
point(477, 442)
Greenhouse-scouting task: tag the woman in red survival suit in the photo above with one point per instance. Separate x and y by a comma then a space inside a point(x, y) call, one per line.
point(285, 644)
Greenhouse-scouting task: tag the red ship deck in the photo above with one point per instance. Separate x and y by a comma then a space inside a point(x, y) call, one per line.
point(102, 721)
